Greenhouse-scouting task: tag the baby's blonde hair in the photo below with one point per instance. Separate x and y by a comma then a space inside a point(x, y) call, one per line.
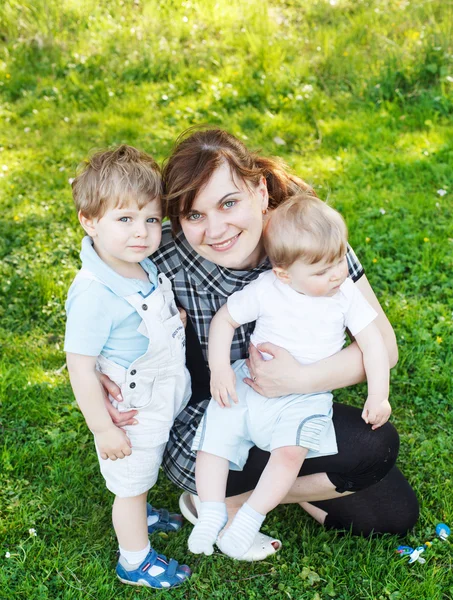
point(306, 228)
point(113, 178)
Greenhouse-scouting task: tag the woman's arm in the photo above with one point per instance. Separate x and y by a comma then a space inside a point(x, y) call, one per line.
point(284, 375)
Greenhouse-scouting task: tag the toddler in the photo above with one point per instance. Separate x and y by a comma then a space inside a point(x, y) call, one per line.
point(122, 321)
point(303, 305)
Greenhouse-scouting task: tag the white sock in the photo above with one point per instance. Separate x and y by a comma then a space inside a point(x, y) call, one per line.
point(211, 520)
point(134, 559)
point(238, 538)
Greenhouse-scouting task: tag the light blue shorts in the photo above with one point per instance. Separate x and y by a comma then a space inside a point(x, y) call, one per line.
point(296, 420)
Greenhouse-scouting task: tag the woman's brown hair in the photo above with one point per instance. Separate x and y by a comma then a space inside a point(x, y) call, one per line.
point(199, 152)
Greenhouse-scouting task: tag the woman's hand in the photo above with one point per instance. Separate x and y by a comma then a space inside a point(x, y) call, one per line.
point(276, 377)
point(120, 419)
point(183, 316)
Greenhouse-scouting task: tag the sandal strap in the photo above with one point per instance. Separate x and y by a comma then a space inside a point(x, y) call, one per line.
point(153, 556)
point(164, 516)
point(172, 567)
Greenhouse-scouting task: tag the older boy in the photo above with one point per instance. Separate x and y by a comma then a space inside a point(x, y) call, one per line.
point(303, 305)
point(122, 320)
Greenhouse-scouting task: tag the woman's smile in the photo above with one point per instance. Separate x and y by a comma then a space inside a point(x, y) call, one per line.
point(226, 245)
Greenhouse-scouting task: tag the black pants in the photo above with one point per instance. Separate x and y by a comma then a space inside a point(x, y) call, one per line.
point(383, 501)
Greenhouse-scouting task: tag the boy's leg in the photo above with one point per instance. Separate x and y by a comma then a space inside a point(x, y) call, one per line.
point(275, 482)
point(211, 474)
point(139, 564)
point(131, 527)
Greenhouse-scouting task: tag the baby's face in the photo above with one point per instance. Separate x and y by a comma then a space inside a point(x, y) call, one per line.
point(319, 279)
point(127, 234)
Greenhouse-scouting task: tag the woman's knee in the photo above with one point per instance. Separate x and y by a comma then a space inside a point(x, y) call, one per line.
point(372, 457)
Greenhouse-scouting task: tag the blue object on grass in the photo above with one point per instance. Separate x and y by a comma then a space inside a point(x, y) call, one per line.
point(443, 531)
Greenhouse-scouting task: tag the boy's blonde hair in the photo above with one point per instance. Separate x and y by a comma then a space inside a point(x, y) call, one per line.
point(113, 177)
point(306, 228)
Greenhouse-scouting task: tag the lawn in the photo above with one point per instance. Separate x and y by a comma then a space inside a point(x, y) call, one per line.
point(357, 97)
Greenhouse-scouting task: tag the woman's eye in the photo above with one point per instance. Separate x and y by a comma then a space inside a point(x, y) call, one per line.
point(229, 203)
point(194, 217)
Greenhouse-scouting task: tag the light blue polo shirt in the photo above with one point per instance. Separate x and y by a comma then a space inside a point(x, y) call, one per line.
point(99, 319)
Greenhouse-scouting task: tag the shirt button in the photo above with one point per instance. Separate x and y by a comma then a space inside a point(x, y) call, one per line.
point(132, 385)
point(145, 306)
point(133, 372)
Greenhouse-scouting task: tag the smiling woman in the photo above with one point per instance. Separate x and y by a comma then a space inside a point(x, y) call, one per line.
point(217, 195)
point(227, 230)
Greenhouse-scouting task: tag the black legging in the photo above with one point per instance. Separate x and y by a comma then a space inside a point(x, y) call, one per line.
point(384, 502)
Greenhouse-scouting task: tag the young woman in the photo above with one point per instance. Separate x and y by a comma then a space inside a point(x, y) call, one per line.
point(217, 195)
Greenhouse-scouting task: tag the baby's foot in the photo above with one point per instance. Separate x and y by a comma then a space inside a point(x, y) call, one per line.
point(211, 520)
point(238, 538)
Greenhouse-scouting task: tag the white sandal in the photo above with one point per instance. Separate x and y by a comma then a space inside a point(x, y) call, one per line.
point(263, 545)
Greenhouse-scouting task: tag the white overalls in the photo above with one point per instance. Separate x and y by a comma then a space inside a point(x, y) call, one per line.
point(157, 384)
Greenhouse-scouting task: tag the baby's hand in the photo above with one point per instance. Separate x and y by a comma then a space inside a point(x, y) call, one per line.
point(223, 384)
point(376, 411)
point(113, 443)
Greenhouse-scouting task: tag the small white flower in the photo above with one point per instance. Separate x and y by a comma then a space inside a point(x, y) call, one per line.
point(164, 97)
point(7, 555)
point(66, 119)
point(449, 78)
point(32, 531)
point(185, 19)
point(441, 192)
point(382, 211)
point(61, 169)
point(70, 180)
point(35, 111)
point(111, 94)
point(26, 129)
point(279, 141)
point(4, 168)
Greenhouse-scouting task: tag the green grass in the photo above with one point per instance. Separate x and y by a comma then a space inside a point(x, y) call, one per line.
point(361, 93)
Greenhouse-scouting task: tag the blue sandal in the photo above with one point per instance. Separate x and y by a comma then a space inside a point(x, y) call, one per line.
point(173, 573)
point(167, 521)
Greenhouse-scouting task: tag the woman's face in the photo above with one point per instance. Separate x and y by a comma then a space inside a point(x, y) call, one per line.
point(226, 221)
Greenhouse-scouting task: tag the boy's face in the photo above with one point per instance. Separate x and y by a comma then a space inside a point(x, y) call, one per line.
point(126, 234)
point(319, 279)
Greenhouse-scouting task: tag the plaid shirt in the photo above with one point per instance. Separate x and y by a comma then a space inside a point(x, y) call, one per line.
point(201, 288)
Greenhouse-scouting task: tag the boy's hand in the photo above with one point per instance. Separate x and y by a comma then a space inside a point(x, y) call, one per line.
point(113, 443)
point(223, 384)
point(376, 411)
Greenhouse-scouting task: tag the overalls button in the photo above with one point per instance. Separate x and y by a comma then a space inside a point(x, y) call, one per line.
point(132, 385)
point(145, 306)
point(133, 372)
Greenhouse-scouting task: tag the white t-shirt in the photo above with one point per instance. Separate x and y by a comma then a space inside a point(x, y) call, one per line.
point(310, 328)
